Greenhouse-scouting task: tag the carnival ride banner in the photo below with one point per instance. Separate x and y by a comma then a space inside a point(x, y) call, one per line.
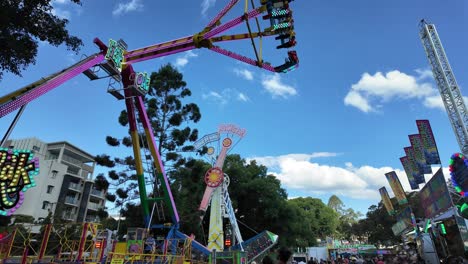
point(395, 184)
point(409, 172)
point(404, 221)
point(428, 141)
point(435, 197)
point(418, 177)
point(418, 151)
point(400, 227)
point(404, 215)
point(386, 201)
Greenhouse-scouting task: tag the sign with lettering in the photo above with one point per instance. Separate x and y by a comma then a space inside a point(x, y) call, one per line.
point(17, 171)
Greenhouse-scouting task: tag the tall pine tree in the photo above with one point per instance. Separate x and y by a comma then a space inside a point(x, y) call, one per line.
point(170, 117)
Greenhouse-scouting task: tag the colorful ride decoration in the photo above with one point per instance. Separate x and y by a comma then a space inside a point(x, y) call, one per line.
point(217, 146)
point(458, 167)
point(214, 177)
point(17, 171)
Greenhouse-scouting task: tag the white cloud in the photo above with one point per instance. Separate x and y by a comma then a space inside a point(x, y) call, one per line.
point(122, 8)
point(216, 97)
point(242, 97)
point(60, 1)
point(373, 89)
point(357, 100)
point(206, 4)
point(184, 59)
point(61, 13)
point(244, 73)
point(424, 73)
point(273, 84)
point(434, 101)
point(299, 172)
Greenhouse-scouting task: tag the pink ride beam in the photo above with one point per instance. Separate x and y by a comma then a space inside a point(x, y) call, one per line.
point(222, 13)
point(209, 190)
point(157, 47)
point(51, 84)
point(157, 55)
point(234, 22)
point(147, 126)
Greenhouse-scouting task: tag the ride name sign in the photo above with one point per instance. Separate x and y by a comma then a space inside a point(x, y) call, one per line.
point(435, 197)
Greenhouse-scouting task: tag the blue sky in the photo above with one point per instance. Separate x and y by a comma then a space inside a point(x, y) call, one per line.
point(336, 125)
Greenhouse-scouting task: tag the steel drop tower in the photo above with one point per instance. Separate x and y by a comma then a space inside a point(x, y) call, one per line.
point(448, 87)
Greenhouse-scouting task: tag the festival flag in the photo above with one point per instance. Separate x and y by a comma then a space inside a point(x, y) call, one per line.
point(386, 201)
point(428, 141)
point(397, 189)
point(409, 172)
point(435, 196)
point(419, 157)
point(418, 177)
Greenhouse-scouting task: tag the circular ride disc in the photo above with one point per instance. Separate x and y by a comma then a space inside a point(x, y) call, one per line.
point(214, 177)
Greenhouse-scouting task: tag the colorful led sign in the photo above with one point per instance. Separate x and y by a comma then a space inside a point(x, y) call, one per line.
point(17, 171)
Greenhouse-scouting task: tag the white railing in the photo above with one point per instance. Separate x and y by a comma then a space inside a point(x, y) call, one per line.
point(72, 160)
point(71, 200)
point(74, 186)
point(94, 206)
point(97, 193)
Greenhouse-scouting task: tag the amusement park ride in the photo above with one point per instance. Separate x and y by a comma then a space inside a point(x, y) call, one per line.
point(116, 62)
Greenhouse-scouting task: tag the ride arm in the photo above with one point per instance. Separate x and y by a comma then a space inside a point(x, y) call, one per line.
point(243, 36)
point(223, 12)
point(23, 96)
point(209, 190)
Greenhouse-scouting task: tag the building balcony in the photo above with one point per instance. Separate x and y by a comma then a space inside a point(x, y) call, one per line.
point(74, 172)
point(75, 186)
point(71, 201)
point(98, 194)
point(68, 216)
point(92, 219)
point(71, 160)
point(94, 206)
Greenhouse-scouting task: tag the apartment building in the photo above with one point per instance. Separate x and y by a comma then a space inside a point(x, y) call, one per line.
point(64, 185)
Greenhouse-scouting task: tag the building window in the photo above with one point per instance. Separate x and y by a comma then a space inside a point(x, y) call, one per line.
point(36, 148)
point(45, 205)
point(54, 174)
point(50, 188)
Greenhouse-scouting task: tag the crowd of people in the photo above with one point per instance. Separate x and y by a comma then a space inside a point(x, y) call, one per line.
point(284, 256)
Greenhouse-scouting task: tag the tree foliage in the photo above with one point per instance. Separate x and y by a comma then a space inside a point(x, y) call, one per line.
point(22, 25)
point(259, 200)
point(347, 218)
point(170, 116)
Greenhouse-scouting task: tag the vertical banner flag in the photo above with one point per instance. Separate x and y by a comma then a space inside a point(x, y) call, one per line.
point(435, 196)
point(397, 189)
point(409, 172)
point(428, 141)
point(419, 157)
point(386, 201)
point(418, 177)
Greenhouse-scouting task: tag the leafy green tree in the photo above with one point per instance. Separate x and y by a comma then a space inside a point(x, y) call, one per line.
point(335, 203)
point(22, 25)
point(377, 226)
point(170, 116)
point(347, 217)
point(316, 221)
point(259, 201)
